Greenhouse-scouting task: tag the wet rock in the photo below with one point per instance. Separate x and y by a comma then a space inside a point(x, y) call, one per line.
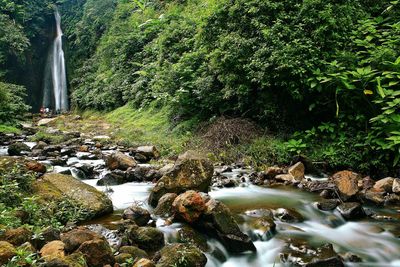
point(36, 166)
point(147, 238)
point(189, 206)
point(286, 178)
point(68, 151)
point(54, 249)
point(218, 221)
point(396, 186)
point(116, 177)
point(87, 169)
point(17, 149)
point(351, 210)
point(137, 214)
point(134, 252)
point(264, 226)
point(144, 173)
point(7, 251)
point(384, 185)
point(188, 235)
point(272, 172)
point(304, 255)
point(140, 158)
point(97, 253)
point(149, 152)
point(144, 263)
point(51, 149)
point(164, 207)
point(328, 205)
point(58, 187)
point(376, 198)
point(347, 183)
point(57, 161)
point(173, 254)
point(16, 236)
point(366, 183)
point(392, 199)
point(288, 215)
point(350, 257)
point(78, 174)
point(190, 172)
point(223, 181)
point(297, 171)
point(75, 238)
point(119, 160)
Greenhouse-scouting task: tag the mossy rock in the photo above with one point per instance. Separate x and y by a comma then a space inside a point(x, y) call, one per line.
point(182, 255)
point(57, 187)
point(7, 251)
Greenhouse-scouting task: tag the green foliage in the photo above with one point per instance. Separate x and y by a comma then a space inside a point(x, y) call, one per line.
point(12, 105)
point(365, 82)
point(16, 198)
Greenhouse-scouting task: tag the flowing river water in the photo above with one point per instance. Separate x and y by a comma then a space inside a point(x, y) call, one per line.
point(376, 240)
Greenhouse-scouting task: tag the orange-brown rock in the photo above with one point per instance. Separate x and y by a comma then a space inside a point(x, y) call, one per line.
point(53, 250)
point(189, 206)
point(36, 166)
point(297, 171)
point(17, 236)
point(384, 185)
point(7, 251)
point(271, 172)
point(347, 183)
point(75, 238)
point(120, 161)
point(144, 263)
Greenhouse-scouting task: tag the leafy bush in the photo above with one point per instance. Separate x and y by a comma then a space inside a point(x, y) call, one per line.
point(12, 105)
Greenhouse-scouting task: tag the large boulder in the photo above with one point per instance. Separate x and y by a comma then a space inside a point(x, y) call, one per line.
point(189, 206)
point(53, 250)
point(218, 222)
point(97, 253)
point(75, 238)
point(17, 149)
point(7, 251)
point(351, 210)
point(137, 214)
point(164, 206)
point(119, 160)
point(149, 152)
point(384, 185)
point(396, 185)
point(173, 254)
point(36, 166)
point(134, 252)
point(190, 172)
point(297, 171)
point(147, 238)
point(347, 183)
point(17, 236)
point(58, 187)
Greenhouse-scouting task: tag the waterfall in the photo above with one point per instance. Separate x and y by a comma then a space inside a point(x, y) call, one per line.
point(55, 94)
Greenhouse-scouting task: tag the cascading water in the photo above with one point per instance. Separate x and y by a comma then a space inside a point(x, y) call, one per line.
point(55, 81)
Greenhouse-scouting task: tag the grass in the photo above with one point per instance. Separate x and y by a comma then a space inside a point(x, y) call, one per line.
point(6, 129)
point(149, 126)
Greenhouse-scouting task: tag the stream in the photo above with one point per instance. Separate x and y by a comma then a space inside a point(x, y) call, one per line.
point(375, 240)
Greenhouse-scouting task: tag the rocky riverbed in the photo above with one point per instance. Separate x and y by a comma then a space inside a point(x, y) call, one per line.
point(147, 211)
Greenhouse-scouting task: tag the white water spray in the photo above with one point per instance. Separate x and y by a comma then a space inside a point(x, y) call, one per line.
point(55, 82)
